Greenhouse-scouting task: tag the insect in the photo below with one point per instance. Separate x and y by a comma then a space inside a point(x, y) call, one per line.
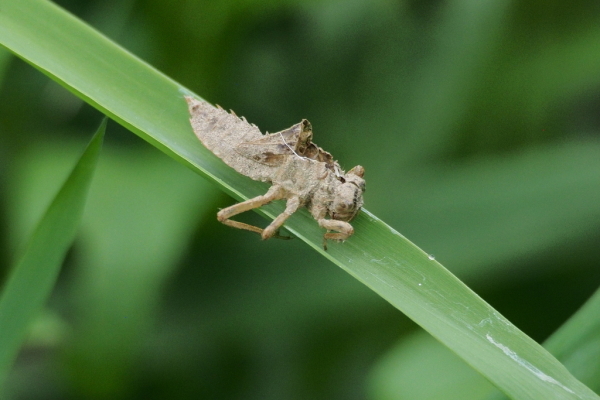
point(300, 172)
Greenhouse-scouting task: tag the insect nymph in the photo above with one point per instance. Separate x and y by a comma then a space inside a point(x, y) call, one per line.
point(300, 172)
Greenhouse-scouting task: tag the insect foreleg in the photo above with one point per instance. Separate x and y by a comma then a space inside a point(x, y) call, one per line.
point(274, 193)
point(344, 230)
point(291, 206)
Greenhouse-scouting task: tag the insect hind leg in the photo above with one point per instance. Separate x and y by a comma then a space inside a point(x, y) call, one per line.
point(291, 207)
point(274, 193)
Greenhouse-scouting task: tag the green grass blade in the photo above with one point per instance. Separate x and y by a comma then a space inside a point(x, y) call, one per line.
point(152, 106)
point(32, 278)
point(577, 343)
point(418, 367)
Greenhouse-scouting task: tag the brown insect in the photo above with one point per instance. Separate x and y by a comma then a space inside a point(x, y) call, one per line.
point(300, 171)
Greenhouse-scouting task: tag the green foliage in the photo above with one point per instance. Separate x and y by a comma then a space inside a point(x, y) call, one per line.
point(466, 133)
point(34, 274)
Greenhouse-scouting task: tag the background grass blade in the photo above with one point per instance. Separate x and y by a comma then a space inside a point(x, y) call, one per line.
point(151, 105)
point(32, 278)
point(577, 343)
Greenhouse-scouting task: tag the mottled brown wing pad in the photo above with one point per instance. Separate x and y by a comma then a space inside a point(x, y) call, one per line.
point(222, 132)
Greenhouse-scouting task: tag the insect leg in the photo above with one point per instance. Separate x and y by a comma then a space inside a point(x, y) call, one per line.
point(274, 193)
point(290, 208)
point(344, 230)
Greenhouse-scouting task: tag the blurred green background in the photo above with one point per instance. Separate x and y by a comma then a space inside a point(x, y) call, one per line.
point(477, 123)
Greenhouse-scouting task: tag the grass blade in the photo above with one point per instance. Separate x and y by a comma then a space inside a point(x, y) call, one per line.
point(418, 367)
point(32, 278)
point(577, 343)
point(152, 106)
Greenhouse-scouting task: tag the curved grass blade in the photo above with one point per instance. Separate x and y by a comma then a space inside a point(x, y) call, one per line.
point(152, 106)
point(34, 274)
